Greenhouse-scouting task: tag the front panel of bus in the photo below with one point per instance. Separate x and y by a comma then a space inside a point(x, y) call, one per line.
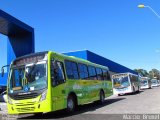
point(121, 84)
point(145, 83)
point(28, 85)
point(154, 82)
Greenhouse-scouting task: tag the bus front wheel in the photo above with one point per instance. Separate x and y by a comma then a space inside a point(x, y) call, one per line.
point(138, 89)
point(38, 115)
point(70, 104)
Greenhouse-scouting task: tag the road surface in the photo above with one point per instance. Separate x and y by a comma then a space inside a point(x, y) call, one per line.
point(115, 107)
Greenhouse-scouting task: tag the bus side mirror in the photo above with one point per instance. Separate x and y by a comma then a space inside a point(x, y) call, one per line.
point(2, 71)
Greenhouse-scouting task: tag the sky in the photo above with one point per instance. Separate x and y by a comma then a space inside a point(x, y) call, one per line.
point(115, 29)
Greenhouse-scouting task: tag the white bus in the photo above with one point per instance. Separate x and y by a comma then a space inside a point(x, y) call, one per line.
point(145, 83)
point(125, 83)
point(155, 83)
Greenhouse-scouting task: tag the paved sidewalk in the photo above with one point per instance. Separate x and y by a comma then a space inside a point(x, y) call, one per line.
point(3, 107)
point(4, 113)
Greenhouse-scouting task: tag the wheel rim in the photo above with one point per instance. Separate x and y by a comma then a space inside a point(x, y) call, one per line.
point(70, 104)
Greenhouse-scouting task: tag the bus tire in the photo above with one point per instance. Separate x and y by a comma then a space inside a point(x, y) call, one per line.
point(133, 88)
point(101, 97)
point(138, 89)
point(71, 104)
point(38, 115)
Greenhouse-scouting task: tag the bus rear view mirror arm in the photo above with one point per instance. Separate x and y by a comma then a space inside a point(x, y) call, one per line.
point(2, 69)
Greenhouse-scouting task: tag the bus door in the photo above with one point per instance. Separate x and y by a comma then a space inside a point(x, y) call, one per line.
point(107, 83)
point(134, 82)
point(93, 83)
point(58, 85)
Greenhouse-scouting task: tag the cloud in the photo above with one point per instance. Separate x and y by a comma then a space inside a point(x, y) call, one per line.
point(157, 51)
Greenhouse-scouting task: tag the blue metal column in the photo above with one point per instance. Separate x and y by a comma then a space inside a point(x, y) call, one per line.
point(20, 38)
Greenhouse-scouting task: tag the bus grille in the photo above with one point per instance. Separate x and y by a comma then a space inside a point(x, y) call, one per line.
point(25, 109)
point(26, 96)
point(25, 104)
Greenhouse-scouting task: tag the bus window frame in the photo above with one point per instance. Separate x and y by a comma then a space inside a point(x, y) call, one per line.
point(95, 73)
point(52, 77)
point(66, 60)
point(83, 71)
point(107, 75)
point(101, 74)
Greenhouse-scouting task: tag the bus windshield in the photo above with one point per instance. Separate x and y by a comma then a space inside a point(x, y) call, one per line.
point(28, 77)
point(154, 81)
point(144, 82)
point(121, 81)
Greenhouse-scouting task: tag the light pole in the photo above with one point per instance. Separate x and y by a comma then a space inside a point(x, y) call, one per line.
point(143, 6)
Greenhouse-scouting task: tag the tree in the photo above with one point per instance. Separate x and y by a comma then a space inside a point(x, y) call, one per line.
point(154, 73)
point(142, 72)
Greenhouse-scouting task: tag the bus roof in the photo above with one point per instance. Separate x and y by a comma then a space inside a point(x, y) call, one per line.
point(72, 58)
point(32, 54)
point(80, 60)
point(125, 74)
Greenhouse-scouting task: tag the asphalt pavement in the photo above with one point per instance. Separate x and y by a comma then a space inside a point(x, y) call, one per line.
point(146, 102)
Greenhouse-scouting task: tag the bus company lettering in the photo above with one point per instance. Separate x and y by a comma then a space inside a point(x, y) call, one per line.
point(77, 87)
point(94, 87)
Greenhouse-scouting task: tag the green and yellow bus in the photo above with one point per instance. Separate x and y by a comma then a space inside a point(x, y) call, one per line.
point(48, 81)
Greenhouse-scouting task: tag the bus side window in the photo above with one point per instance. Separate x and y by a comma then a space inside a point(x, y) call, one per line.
point(99, 74)
point(133, 78)
point(106, 75)
point(92, 73)
point(71, 70)
point(83, 71)
point(57, 73)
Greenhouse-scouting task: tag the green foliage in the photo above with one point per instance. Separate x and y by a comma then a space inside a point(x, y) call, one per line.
point(142, 72)
point(154, 73)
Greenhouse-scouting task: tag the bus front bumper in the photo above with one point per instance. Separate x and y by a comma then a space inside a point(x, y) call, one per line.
point(145, 87)
point(28, 106)
point(122, 91)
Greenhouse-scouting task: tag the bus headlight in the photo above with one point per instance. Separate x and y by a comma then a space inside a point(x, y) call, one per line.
point(9, 100)
point(43, 96)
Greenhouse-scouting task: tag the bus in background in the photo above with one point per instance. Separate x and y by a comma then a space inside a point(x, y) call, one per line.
point(158, 82)
point(155, 82)
point(48, 81)
point(125, 83)
point(145, 83)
